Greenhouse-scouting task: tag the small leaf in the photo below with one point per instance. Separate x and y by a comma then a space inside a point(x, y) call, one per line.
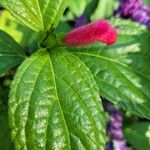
point(138, 135)
point(55, 104)
point(78, 6)
point(104, 9)
point(122, 71)
point(5, 141)
point(21, 33)
point(11, 54)
point(39, 15)
point(147, 2)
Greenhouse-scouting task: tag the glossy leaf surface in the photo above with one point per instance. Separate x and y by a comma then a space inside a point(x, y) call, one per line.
point(39, 15)
point(55, 104)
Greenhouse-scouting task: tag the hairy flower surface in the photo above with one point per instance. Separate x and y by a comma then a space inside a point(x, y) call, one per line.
point(99, 30)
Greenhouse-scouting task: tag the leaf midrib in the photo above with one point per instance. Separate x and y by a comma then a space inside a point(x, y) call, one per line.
point(87, 86)
point(79, 99)
point(53, 72)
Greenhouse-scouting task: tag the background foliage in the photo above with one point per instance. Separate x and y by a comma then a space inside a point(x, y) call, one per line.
point(70, 79)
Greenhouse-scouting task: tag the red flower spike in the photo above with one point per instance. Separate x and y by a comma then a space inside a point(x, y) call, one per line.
point(99, 30)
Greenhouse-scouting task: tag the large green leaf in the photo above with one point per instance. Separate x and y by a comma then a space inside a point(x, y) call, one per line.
point(138, 135)
point(122, 70)
point(55, 104)
point(11, 54)
point(36, 14)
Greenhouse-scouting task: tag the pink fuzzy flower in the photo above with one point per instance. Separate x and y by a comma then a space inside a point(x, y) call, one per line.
point(99, 30)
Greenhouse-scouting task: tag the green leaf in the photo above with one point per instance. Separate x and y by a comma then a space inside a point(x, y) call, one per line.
point(127, 29)
point(54, 104)
point(133, 41)
point(147, 2)
point(21, 33)
point(122, 71)
point(77, 7)
point(138, 135)
point(39, 15)
point(11, 54)
point(63, 27)
point(104, 9)
point(5, 141)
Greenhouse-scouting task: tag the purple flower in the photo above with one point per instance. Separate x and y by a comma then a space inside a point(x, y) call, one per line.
point(80, 21)
point(109, 146)
point(119, 145)
point(134, 9)
point(142, 16)
point(114, 128)
point(127, 7)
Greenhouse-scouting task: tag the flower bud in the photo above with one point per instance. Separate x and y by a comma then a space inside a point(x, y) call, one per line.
point(99, 30)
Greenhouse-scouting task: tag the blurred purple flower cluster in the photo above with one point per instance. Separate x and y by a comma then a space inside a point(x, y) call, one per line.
point(114, 128)
point(136, 10)
point(80, 21)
